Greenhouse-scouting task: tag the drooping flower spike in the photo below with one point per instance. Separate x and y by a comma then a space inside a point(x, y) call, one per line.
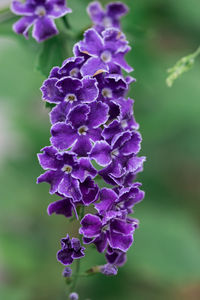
point(94, 136)
point(40, 14)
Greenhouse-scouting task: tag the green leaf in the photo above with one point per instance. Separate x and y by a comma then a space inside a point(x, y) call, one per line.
point(52, 54)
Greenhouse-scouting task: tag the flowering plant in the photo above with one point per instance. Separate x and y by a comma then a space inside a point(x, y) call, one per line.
point(94, 135)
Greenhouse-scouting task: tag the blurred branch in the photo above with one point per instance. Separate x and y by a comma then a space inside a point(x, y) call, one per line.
point(183, 65)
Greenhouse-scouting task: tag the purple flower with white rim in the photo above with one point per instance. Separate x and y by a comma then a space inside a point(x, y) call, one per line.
point(122, 171)
point(71, 249)
point(122, 144)
point(115, 257)
point(90, 191)
point(71, 90)
point(65, 172)
point(40, 14)
point(82, 128)
point(70, 67)
point(106, 51)
point(110, 17)
point(63, 207)
point(107, 230)
point(108, 270)
point(111, 86)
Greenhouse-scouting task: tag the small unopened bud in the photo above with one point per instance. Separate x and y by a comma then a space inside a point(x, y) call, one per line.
point(73, 296)
point(67, 272)
point(109, 270)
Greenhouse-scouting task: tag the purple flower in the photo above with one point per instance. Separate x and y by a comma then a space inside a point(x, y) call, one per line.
point(123, 144)
point(108, 270)
point(67, 272)
point(73, 296)
point(71, 90)
point(71, 249)
point(106, 51)
point(109, 229)
point(65, 172)
point(108, 18)
point(115, 257)
point(40, 14)
point(62, 207)
point(82, 128)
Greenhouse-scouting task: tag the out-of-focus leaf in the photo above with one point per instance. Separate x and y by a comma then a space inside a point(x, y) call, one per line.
point(52, 54)
point(183, 65)
point(166, 246)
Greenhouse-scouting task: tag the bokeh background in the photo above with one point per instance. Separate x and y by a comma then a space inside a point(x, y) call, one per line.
point(164, 262)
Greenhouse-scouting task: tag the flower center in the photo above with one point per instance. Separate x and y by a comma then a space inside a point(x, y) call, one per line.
point(74, 72)
point(114, 153)
point(67, 169)
point(107, 93)
point(71, 98)
point(106, 56)
point(82, 130)
point(107, 22)
point(40, 11)
point(124, 124)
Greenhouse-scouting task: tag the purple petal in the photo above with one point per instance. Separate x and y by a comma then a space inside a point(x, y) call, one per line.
point(57, 8)
point(94, 66)
point(78, 115)
point(91, 226)
point(116, 9)
point(44, 28)
point(48, 160)
point(65, 256)
point(22, 25)
point(60, 112)
point(101, 242)
point(89, 91)
point(107, 199)
point(119, 60)
point(63, 136)
point(53, 178)
point(84, 170)
point(101, 153)
point(95, 11)
point(92, 43)
point(23, 9)
point(121, 226)
point(120, 241)
point(69, 187)
point(50, 92)
point(82, 146)
point(89, 190)
point(98, 114)
point(61, 207)
point(132, 146)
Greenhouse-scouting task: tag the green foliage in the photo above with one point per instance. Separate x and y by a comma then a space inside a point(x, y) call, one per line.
point(183, 65)
point(52, 54)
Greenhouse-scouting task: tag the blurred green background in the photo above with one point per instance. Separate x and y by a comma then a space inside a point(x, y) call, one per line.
point(164, 262)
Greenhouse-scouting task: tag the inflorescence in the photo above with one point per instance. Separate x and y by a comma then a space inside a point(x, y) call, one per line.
point(94, 136)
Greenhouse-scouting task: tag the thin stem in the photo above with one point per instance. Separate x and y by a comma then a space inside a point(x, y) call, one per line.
point(196, 53)
point(66, 22)
point(76, 275)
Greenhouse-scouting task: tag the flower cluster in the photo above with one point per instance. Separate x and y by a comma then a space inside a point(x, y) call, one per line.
point(40, 14)
point(94, 136)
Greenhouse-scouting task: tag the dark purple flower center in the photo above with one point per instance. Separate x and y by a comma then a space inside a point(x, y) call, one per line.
point(71, 98)
point(106, 56)
point(83, 130)
point(107, 93)
point(67, 169)
point(40, 11)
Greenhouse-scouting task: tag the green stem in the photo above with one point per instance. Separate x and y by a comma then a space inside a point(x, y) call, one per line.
point(76, 276)
point(196, 53)
point(66, 22)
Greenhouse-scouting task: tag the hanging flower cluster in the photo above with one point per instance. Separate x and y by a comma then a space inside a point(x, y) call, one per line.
point(94, 135)
point(40, 14)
